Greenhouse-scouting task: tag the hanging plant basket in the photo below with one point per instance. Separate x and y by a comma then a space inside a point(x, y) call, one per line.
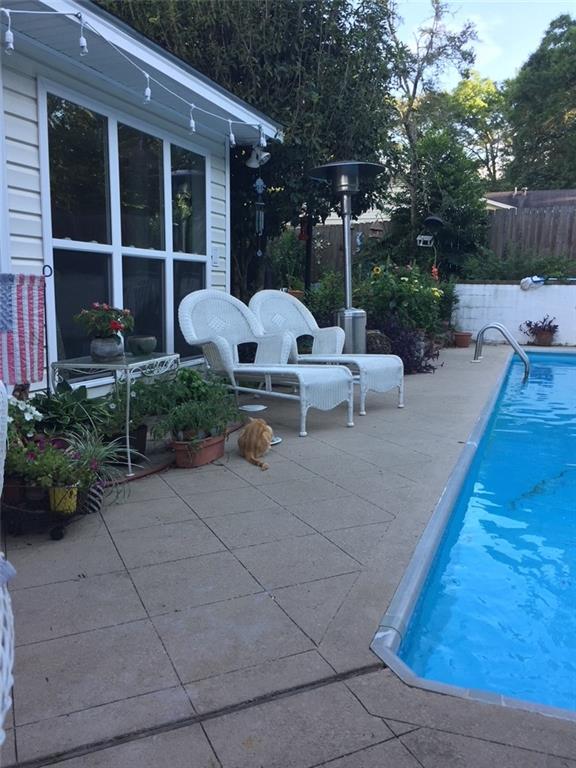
point(190, 455)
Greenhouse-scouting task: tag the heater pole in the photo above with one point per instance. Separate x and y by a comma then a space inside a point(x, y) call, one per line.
point(347, 232)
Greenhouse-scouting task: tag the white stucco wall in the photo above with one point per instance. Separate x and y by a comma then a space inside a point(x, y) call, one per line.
point(508, 304)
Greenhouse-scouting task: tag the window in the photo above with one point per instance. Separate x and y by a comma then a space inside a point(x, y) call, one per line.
point(78, 172)
point(80, 278)
point(188, 201)
point(129, 224)
point(143, 281)
point(188, 277)
point(141, 189)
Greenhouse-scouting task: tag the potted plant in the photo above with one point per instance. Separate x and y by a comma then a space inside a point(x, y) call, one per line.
point(56, 470)
point(97, 461)
point(541, 332)
point(22, 425)
point(462, 338)
point(198, 426)
point(105, 326)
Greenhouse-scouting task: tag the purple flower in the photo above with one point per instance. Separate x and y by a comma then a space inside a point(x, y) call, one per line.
point(93, 465)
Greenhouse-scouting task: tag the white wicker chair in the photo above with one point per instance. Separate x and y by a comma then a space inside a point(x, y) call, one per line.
point(277, 311)
point(6, 573)
point(218, 323)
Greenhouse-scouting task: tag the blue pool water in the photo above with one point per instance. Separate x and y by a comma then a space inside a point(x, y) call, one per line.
point(498, 611)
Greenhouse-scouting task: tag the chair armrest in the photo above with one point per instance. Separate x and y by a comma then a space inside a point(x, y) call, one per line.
point(328, 341)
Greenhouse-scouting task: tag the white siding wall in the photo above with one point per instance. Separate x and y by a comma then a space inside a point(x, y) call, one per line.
point(22, 171)
point(510, 305)
point(23, 182)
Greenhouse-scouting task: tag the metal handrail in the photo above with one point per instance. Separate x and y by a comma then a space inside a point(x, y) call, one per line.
point(509, 338)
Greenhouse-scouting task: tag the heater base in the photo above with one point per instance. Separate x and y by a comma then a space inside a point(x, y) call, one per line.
point(353, 323)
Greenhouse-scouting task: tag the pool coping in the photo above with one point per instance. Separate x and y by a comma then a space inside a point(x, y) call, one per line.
point(393, 624)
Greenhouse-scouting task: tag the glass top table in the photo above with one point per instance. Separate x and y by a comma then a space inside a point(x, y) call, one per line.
point(124, 369)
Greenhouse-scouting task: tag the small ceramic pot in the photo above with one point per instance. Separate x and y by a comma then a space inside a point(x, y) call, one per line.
point(142, 345)
point(108, 349)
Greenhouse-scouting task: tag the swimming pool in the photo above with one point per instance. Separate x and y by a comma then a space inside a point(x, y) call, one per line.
point(495, 609)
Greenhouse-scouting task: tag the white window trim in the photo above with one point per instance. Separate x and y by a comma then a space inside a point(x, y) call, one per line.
point(115, 249)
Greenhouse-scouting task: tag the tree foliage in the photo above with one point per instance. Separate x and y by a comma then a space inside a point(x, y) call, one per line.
point(415, 77)
point(542, 112)
point(476, 112)
point(317, 66)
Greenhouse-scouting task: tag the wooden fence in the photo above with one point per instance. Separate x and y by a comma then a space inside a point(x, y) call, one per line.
point(541, 231)
point(329, 244)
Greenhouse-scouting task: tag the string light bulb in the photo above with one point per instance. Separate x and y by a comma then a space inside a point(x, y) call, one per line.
point(147, 90)
point(192, 122)
point(8, 35)
point(231, 137)
point(82, 42)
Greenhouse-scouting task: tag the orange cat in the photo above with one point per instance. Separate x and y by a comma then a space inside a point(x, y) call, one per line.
point(255, 441)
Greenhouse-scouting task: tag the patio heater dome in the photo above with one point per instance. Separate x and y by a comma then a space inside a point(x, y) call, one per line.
point(347, 177)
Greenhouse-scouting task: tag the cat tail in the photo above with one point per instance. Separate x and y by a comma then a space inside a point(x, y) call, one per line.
point(262, 464)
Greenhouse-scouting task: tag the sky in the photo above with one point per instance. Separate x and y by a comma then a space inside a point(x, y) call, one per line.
point(508, 30)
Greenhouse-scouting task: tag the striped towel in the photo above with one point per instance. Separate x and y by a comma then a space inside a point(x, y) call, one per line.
point(21, 328)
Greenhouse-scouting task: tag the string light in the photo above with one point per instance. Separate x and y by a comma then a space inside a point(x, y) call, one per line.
point(86, 25)
point(82, 42)
point(8, 35)
point(147, 90)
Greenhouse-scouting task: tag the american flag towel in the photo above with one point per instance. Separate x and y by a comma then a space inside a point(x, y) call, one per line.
point(21, 328)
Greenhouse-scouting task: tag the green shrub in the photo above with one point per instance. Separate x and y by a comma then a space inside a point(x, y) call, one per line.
point(325, 298)
point(514, 265)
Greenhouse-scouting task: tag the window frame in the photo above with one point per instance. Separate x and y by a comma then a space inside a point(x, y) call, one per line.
point(115, 248)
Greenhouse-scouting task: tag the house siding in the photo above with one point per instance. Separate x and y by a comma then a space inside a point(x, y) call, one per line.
point(22, 171)
point(21, 132)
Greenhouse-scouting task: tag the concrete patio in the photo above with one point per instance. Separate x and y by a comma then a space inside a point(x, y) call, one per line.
point(222, 616)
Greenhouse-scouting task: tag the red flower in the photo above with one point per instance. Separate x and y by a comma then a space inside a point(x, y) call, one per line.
point(95, 305)
point(116, 326)
point(435, 274)
point(105, 306)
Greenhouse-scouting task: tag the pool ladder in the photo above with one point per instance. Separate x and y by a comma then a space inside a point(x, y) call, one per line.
point(509, 338)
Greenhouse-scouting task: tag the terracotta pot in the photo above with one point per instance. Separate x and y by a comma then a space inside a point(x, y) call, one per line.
point(106, 350)
point(189, 455)
point(543, 338)
point(462, 338)
point(296, 293)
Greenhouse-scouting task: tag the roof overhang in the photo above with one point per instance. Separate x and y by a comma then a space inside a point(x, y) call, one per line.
point(494, 205)
point(53, 40)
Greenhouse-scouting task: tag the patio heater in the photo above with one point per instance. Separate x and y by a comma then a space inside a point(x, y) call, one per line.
point(346, 177)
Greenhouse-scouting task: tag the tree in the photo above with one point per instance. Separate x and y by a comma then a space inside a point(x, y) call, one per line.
point(317, 66)
point(451, 188)
point(476, 110)
point(542, 111)
point(415, 75)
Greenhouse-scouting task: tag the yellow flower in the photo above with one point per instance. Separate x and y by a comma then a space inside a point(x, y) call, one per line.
point(376, 270)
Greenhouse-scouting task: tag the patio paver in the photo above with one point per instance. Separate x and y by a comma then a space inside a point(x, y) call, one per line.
point(131, 622)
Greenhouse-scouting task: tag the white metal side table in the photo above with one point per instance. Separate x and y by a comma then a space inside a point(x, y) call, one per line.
point(124, 369)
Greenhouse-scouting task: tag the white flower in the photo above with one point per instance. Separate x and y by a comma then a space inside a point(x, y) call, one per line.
point(112, 406)
point(28, 416)
point(10, 419)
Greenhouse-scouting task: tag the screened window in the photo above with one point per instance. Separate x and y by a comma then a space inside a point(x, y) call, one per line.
point(143, 281)
point(80, 278)
point(189, 276)
point(78, 153)
point(141, 189)
point(188, 201)
point(128, 224)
